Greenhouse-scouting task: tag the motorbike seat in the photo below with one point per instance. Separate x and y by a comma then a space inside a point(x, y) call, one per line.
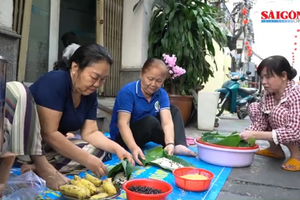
point(248, 91)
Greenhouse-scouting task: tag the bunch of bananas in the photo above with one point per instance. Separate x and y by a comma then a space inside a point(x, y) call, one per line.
point(89, 187)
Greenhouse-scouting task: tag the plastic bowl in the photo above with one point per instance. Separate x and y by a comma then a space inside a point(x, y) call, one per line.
point(192, 185)
point(165, 187)
point(225, 156)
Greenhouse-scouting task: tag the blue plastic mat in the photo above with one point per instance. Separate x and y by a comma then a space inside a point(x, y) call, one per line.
point(221, 174)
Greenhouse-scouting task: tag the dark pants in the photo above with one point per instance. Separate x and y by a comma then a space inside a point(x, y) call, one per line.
point(148, 129)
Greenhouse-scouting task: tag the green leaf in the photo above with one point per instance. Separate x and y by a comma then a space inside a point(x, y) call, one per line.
point(251, 142)
point(187, 30)
point(177, 159)
point(158, 152)
point(116, 169)
point(231, 141)
point(190, 37)
point(124, 166)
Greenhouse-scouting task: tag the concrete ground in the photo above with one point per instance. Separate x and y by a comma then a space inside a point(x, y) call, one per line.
point(264, 179)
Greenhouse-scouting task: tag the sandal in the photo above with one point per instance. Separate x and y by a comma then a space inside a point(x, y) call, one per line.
point(190, 141)
point(293, 165)
point(268, 153)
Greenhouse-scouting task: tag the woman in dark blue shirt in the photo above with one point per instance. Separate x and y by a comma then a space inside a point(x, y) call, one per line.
point(142, 113)
point(66, 101)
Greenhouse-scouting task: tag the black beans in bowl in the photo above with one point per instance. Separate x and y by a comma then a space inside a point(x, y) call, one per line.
point(145, 190)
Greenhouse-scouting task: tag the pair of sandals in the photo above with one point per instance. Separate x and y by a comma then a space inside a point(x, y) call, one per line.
point(292, 164)
point(190, 141)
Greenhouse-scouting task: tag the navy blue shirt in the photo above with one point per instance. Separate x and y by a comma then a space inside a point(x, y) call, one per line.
point(54, 91)
point(130, 99)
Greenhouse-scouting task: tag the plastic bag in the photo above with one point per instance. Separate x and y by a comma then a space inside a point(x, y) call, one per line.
point(24, 187)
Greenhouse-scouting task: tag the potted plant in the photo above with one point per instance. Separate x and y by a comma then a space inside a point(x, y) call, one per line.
point(188, 29)
point(172, 83)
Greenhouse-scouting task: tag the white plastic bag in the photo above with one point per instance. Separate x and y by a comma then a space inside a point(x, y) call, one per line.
point(24, 187)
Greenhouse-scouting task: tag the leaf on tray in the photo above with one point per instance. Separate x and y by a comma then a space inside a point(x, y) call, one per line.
point(232, 140)
point(152, 155)
point(124, 166)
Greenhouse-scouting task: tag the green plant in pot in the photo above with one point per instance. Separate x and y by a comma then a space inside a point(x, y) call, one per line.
point(188, 29)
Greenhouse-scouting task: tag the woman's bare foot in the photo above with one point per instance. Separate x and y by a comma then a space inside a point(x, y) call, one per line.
point(46, 171)
point(27, 167)
point(53, 178)
point(7, 161)
point(277, 151)
point(184, 151)
point(293, 164)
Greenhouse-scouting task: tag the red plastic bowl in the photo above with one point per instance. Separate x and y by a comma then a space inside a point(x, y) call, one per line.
point(192, 185)
point(165, 187)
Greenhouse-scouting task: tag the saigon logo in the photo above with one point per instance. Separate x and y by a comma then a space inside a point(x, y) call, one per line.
point(280, 16)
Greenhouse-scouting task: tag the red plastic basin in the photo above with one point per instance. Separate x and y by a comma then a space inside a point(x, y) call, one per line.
point(192, 185)
point(165, 187)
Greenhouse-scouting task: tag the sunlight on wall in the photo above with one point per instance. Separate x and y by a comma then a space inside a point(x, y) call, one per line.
point(223, 61)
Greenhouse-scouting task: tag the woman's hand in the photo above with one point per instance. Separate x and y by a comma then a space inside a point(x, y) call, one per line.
point(170, 149)
point(136, 153)
point(122, 154)
point(96, 166)
point(246, 135)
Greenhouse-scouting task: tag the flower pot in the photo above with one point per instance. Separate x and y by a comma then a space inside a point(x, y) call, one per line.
point(184, 103)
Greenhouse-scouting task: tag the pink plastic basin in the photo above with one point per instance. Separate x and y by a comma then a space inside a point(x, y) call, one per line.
point(225, 156)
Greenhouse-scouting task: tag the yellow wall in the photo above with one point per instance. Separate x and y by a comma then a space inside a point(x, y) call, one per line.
point(223, 62)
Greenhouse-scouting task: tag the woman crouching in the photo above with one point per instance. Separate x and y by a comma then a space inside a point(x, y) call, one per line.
point(142, 113)
point(277, 117)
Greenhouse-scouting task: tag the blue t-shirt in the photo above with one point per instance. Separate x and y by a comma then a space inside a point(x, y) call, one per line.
point(130, 99)
point(54, 91)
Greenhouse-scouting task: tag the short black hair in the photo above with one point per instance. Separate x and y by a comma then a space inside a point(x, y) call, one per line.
point(277, 64)
point(69, 38)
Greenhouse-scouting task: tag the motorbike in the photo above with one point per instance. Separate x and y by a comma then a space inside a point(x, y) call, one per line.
point(234, 98)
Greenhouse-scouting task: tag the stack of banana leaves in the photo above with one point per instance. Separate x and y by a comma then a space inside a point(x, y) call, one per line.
point(156, 156)
point(232, 140)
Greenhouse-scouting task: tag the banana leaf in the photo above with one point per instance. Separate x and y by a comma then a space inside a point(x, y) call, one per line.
point(152, 155)
point(124, 166)
point(233, 140)
point(250, 143)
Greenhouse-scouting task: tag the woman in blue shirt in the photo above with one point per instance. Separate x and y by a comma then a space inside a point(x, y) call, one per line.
point(66, 101)
point(142, 113)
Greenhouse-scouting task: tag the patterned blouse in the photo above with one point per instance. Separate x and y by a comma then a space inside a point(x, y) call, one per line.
point(283, 119)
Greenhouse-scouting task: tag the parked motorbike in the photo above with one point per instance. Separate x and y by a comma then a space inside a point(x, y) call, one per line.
point(234, 98)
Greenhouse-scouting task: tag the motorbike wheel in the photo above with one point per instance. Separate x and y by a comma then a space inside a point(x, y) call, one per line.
point(242, 112)
point(221, 109)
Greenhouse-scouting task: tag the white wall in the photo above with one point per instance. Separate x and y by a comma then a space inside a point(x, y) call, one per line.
point(6, 12)
point(135, 33)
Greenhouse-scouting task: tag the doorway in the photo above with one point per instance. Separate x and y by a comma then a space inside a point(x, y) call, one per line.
point(77, 17)
point(47, 21)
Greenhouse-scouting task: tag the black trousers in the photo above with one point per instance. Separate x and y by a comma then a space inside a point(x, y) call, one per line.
point(148, 129)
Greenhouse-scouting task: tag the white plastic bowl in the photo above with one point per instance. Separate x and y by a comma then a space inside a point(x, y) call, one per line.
point(225, 156)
